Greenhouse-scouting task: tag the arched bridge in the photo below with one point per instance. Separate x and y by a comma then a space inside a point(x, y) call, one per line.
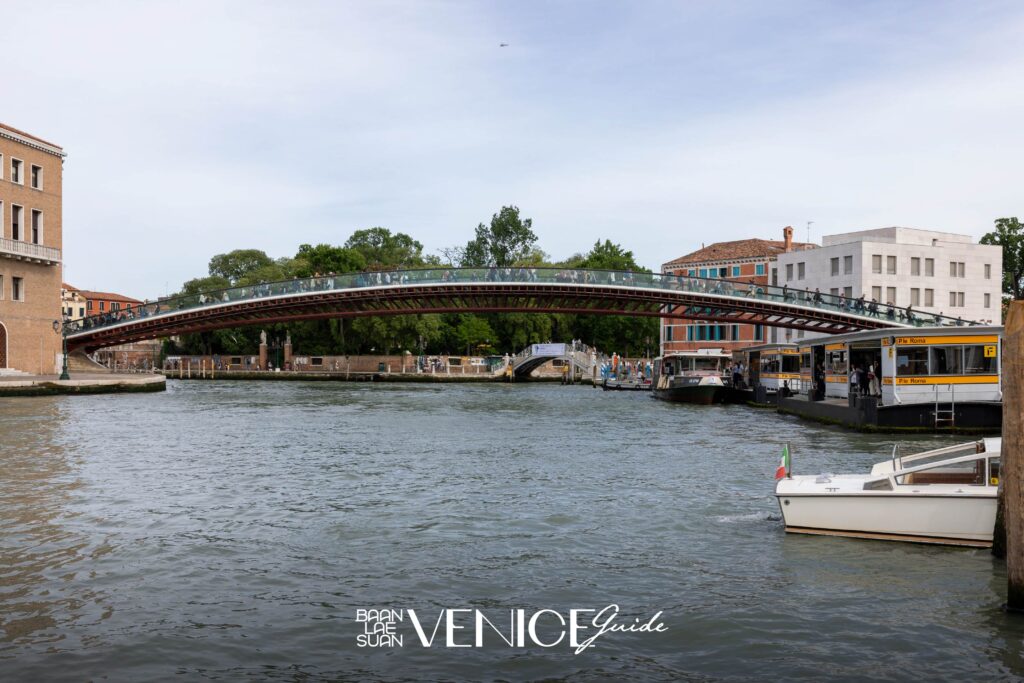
point(489, 290)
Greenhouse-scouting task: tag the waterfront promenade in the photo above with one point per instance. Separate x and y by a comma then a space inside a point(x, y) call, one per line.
point(84, 383)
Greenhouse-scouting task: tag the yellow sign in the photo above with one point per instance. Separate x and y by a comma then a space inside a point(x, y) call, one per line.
point(948, 379)
point(952, 339)
point(990, 352)
point(835, 347)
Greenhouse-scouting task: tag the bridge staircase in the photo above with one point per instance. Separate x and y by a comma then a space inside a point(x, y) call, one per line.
point(580, 357)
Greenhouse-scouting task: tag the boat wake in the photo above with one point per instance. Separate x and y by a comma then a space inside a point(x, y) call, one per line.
point(749, 517)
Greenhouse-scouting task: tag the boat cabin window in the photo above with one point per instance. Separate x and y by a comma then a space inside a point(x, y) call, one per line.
point(993, 472)
point(836, 362)
point(878, 485)
point(912, 360)
point(947, 360)
point(980, 359)
point(791, 363)
point(971, 473)
point(705, 363)
point(770, 364)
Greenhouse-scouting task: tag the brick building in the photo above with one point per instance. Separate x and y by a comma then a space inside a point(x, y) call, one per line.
point(746, 260)
point(31, 171)
point(79, 303)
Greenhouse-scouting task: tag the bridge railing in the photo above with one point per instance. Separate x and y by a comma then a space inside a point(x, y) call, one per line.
point(573, 276)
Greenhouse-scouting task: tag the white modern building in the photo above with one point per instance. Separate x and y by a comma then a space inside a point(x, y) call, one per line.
point(934, 272)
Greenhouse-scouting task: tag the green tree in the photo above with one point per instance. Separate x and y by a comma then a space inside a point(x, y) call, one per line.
point(473, 332)
point(324, 258)
point(508, 240)
point(630, 335)
point(238, 263)
point(381, 249)
point(1009, 234)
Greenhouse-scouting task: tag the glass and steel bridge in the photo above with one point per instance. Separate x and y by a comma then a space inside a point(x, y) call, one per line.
point(495, 290)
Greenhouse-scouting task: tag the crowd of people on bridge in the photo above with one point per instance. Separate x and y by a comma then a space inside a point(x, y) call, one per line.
point(320, 282)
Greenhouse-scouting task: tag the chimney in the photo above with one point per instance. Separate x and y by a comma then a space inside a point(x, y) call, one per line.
point(787, 236)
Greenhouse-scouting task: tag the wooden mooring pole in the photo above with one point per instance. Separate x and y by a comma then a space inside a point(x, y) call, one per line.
point(1013, 454)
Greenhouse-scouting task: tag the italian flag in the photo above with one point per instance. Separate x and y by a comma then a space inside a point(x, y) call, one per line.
point(784, 464)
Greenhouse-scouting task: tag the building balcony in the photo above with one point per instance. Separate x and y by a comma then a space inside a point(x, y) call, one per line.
point(26, 251)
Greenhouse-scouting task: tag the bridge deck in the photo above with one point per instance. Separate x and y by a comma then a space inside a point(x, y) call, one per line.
point(492, 290)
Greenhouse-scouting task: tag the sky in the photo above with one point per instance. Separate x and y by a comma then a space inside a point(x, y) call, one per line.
point(194, 128)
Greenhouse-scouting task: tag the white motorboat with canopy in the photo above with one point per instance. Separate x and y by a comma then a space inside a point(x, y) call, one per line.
point(946, 495)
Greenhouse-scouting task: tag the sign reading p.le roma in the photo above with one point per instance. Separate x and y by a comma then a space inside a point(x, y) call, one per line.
point(548, 349)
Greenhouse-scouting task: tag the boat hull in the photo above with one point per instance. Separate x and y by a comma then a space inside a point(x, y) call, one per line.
point(955, 518)
point(699, 394)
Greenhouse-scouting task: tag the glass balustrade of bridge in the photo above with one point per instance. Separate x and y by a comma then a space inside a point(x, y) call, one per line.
point(713, 287)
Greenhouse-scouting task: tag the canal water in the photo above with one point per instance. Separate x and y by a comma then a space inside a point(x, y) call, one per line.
point(232, 530)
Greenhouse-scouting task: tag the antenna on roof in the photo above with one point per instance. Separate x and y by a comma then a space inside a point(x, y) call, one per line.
point(809, 224)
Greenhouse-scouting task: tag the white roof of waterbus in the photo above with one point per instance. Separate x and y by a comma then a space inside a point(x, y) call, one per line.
point(866, 335)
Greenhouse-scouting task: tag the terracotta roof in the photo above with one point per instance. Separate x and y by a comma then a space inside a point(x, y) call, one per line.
point(28, 135)
point(107, 296)
point(738, 249)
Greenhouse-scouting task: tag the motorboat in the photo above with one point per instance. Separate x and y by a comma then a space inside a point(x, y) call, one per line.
point(946, 496)
point(691, 376)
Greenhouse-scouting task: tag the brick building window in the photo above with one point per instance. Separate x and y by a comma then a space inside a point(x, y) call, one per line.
point(16, 165)
point(16, 212)
point(1, 287)
point(17, 289)
point(37, 177)
point(37, 226)
point(759, 270)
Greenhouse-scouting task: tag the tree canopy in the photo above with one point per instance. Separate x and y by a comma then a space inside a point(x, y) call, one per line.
point(507, 241)
point(1009, 234)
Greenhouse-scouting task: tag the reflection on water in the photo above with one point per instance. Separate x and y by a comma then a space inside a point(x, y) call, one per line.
point(232, 529)
point(40, 551)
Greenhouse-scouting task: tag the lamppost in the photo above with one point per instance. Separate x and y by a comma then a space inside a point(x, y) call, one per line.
point(63, 329)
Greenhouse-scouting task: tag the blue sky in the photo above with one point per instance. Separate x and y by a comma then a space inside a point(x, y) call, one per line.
point(193, 128)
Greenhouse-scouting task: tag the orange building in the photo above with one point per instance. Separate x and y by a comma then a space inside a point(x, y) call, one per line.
point(31, 172)
point(745, 260)
point(80, 303)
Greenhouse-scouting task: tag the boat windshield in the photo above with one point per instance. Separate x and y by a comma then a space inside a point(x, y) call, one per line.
point(967, 472)
point(940, 454)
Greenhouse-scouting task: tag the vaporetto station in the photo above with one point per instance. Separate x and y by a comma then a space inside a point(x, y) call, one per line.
point(926, 378)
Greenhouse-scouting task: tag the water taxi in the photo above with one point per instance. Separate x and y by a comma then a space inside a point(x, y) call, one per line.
point(945, 496)
point(691, 376)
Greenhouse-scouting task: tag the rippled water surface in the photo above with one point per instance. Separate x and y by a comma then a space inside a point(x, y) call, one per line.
point(231, 530)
